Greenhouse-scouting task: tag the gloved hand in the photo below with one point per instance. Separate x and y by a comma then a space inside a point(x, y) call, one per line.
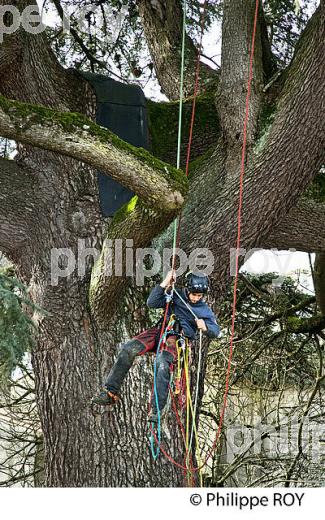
point(169, 280)
point(201, 325)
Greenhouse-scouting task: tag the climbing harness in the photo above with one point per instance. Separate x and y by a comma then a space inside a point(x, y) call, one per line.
point(180, 385)
point(181, 388)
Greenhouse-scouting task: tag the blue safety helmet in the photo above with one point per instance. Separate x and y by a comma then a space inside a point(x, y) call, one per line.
point(196, 283)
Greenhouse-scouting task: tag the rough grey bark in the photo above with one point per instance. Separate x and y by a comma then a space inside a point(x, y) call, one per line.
point(237, 30)
point(21, 217)
point(82, 446)
point(107, 284)
point(301, 229)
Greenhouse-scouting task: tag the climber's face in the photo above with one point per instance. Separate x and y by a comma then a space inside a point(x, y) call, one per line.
point(195, 297)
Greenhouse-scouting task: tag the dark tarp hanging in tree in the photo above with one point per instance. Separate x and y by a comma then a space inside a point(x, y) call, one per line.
point(121, 108)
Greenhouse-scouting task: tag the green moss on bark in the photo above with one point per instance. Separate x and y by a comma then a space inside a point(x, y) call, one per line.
point(75, 123)
point(316, 190)
point(266, 119)
point(198, 163)
point(125, 211)
point(305, 325)
point(163, 123)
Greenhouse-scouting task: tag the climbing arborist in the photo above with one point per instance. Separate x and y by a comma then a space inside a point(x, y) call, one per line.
point(192, 314)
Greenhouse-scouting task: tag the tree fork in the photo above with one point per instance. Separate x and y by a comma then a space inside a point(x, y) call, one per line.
point(162, 22)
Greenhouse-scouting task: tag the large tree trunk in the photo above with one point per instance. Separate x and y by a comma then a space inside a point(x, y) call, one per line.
point(86, 446)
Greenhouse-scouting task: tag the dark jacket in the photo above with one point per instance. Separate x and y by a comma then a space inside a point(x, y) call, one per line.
point(157, 300)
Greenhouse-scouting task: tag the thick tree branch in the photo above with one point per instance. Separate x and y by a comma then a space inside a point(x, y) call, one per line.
point(159, 185)
point(71, 135)
point(42, 80)
point(162, 22)
point(303, 228)
point(237, 29)
point(139, 225)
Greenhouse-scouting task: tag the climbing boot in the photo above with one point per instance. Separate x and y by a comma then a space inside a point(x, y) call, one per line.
point(105, 398)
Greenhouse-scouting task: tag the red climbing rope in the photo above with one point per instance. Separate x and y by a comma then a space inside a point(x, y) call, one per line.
point(241, 183)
